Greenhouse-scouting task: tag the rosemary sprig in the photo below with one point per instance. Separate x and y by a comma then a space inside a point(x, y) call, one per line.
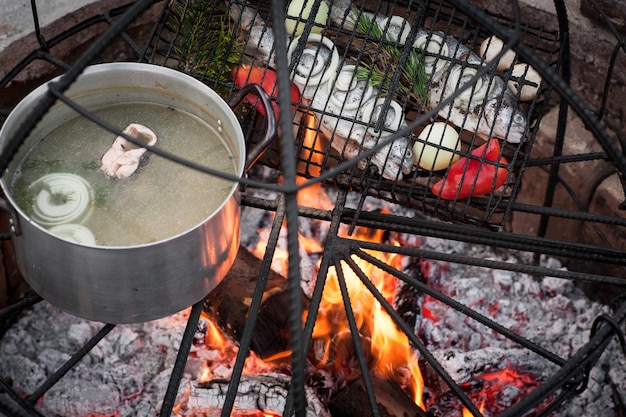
point(205, 42)
point(385, 62)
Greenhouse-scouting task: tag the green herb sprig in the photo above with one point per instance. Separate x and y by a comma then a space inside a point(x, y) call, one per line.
point(385, 61)
point(205, 42)
point(59, 198)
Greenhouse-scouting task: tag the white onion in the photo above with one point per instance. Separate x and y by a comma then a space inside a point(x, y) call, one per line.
point(76, 190)
point(436, 49)
point(373, 109)
point(460, 75)
point(397, 29)
point(299, 12)
point(348, 93)
point(438, 147)
point(318, 62)
point(74, 233)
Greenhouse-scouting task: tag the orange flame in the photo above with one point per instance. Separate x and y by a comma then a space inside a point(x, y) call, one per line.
point(391, 354)
point(391, 351)
point(220, 351)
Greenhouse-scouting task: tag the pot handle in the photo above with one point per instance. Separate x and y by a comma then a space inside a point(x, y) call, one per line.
point(270, 133)
point(14, 220)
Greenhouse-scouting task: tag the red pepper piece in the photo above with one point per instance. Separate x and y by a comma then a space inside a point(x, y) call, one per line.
point(471, 177)
point(251, 74)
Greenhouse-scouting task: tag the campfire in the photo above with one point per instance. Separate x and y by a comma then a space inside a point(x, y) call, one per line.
point(398, 323)
point(132, 365)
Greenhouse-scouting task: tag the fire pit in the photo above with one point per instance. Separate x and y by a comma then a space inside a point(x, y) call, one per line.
point(381, 242)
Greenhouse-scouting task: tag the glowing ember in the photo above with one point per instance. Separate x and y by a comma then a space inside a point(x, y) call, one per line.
point(496, 391)
point(218, 353)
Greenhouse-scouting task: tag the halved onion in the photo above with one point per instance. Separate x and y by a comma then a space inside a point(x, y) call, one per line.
point(318, 62)
point(436, 50)
point(60, 198)
point(373, 110)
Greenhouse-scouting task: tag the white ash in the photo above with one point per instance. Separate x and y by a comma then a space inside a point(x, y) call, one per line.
point(266, 392)
point(124, 373)
point(550, 311)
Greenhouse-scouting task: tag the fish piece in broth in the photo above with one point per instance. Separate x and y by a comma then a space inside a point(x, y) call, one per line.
point(122, 159)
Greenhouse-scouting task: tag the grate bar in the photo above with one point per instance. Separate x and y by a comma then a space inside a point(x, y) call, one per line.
point(584, 358)
point(255, 308)
point(67, 366)
point(418, 344)
point(169, 398)
point(462, 308)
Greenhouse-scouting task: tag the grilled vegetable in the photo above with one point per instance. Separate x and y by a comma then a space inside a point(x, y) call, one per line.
point(299, 12)
point(491, 47)
point(526, 77)
point(477, 175)
point(486, 106)
point(250, 74)
point(436, 152)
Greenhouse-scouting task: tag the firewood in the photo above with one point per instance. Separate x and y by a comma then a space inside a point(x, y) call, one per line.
point(229, 304)
point(391, 399)
point(265, 393)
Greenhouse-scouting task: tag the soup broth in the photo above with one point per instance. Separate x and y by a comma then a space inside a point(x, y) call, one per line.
point(161, 199)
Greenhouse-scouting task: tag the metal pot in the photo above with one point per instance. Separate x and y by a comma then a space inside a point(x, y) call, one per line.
point(131, 283)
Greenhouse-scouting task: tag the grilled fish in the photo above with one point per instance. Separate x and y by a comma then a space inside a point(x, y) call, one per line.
point(486, 107)
point(335, 120)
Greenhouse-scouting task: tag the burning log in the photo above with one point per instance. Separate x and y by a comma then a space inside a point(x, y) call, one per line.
point(391, 399)
point(260, 395)
point(229, 304)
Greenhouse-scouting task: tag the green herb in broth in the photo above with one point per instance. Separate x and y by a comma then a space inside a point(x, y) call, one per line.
point(25, 201)
point(59, 198)
point(90, 166)
point(162, 198)
point(41, 166)
point(101, 196)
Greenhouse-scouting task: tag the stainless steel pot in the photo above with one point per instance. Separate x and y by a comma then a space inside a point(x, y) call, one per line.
point(134, 283)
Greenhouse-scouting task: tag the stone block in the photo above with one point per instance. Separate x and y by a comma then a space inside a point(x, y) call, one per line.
point(579, 178)
point(605, 201)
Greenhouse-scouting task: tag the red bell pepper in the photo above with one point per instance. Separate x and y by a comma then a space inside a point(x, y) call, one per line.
point(251, 74)
point(471, 177)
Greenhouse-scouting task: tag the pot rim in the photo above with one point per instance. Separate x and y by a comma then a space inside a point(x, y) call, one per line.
point(24, 106)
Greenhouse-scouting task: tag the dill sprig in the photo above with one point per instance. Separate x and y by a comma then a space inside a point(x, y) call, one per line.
point(59, 198)
point(385, 62)
point(204, 40)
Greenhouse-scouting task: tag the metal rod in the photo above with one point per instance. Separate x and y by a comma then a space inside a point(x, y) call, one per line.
point(462, 308)
point(356, 339)
point(253, 315)
point(38, 34)
point(566, 70)
point(25, 407)
point(20, 305)
point(288, 163)
point(181, 360)
point(67, 366)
